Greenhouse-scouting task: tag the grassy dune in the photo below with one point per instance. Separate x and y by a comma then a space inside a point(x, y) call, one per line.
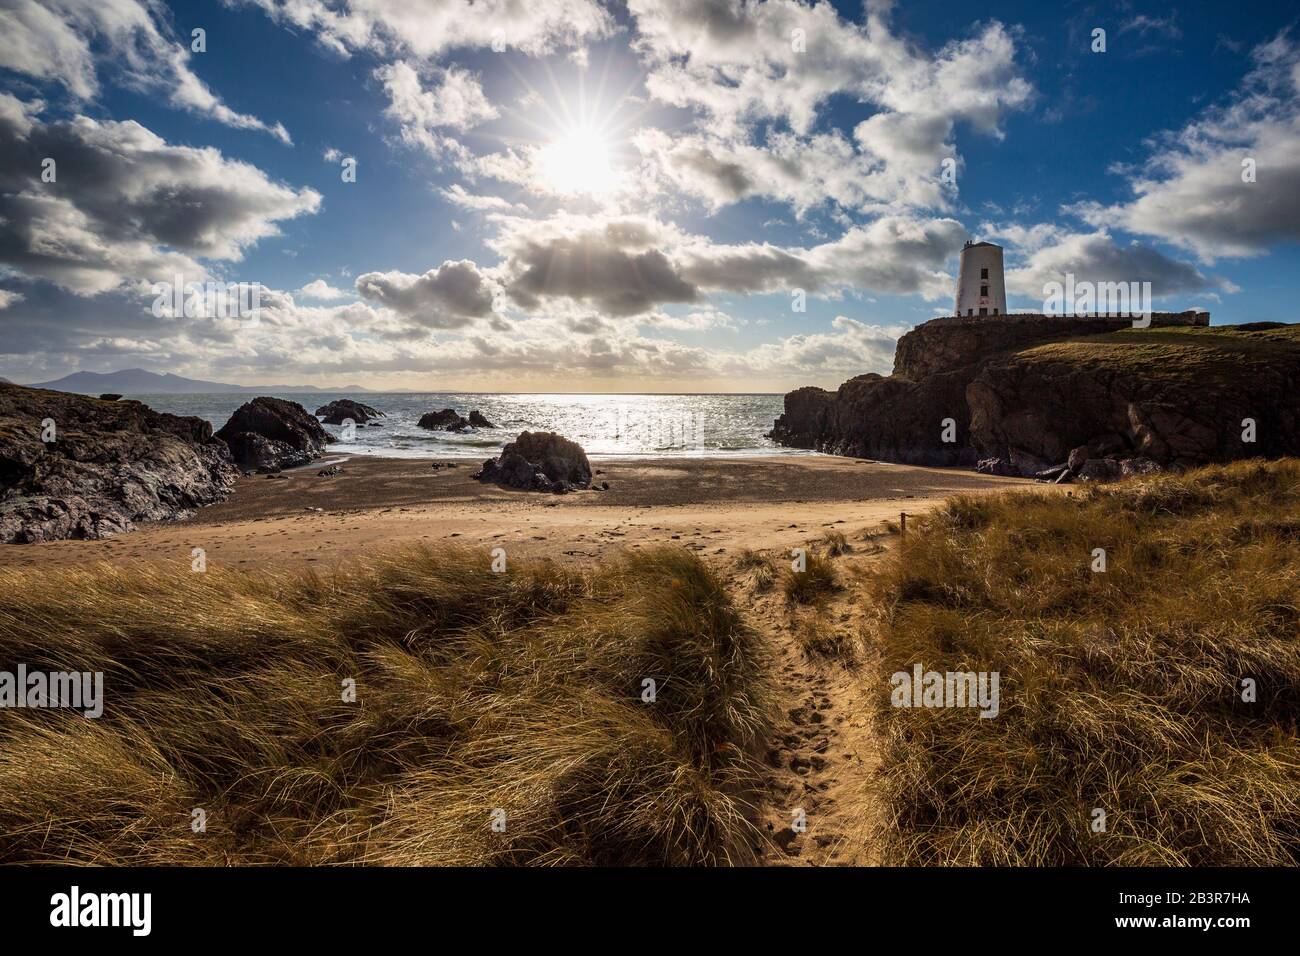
point(523, 692)
point(1119, 690)
point(475, 691)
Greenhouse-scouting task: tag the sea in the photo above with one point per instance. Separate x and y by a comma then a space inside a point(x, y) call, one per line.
point(605, 425)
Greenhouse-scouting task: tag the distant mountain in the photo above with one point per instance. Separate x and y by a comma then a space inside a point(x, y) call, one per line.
point(137, 381)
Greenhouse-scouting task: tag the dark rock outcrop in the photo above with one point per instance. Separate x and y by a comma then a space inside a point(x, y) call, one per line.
point(262, 454)
point(447, 420)
point(996, 466)
point(1026, 395)
point(539, 461)
point(268, 434)
point(1175, 401)
point(344, 408)
point(514, 471)
point(110, 466)
point(872, 416)
point(450, 420)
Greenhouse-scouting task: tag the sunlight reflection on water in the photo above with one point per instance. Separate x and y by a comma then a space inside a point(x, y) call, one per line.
point(604, 425)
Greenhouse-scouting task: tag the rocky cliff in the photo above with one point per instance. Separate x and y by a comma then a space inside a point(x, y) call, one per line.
point(79, 467)
point(1023, 392)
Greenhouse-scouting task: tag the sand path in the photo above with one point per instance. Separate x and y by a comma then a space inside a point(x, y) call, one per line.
point(820, 809)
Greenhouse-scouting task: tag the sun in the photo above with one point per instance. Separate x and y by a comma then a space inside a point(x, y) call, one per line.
point(578, 162)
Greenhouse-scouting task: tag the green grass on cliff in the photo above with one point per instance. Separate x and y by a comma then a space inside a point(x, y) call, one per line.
point(1208, 353)
point(1121, 691)
point(475, 692)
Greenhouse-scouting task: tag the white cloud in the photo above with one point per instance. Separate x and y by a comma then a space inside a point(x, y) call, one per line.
point(453, 101)
point(697, 320)
point(851, 349)
point(1161, 26)
point(450, 296)
point(71, 42)
point(893, 254)
point(741, 66)
point(429, 28)
point(596, 269)
point(358, 340)
point(626, 265)
point(869, 173)
point(136, 209)
point(739, 62)
point(457, 195)
point(320, 289)
point(1097, 257)
point(756, 100)
point(1192, 194)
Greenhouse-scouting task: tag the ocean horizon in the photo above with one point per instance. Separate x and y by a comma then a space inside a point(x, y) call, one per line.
point(606, 425)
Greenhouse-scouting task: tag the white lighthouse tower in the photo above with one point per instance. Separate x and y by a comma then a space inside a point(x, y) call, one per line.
point(980, 286)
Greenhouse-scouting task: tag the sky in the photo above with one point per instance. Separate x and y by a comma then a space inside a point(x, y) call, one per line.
point(639, 196)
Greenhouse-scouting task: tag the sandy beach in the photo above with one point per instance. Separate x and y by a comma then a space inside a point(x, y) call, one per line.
point(713, 506)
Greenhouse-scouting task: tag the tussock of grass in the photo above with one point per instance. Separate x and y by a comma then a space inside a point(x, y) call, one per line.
point(1119, 690)
point(811, 585)
point(819, 638)
point(835, 544)
point(475, 691)
point(762, 568)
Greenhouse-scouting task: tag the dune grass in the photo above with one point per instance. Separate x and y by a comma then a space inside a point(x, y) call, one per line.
point(1120, 691)
point(835, 544)
point(476, 692)
point(761, 568)
point(814, 583)
point(819, 638)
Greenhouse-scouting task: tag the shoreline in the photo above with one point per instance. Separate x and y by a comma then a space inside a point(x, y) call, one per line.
point(334, 454)
point(713, 506)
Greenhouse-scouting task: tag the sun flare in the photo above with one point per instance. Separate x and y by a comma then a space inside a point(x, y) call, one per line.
point(578, 163)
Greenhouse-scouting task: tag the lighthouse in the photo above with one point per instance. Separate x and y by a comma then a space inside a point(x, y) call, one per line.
point(980, 287)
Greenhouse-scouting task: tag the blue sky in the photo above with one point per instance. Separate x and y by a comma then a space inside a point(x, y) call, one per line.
point(573, 195)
